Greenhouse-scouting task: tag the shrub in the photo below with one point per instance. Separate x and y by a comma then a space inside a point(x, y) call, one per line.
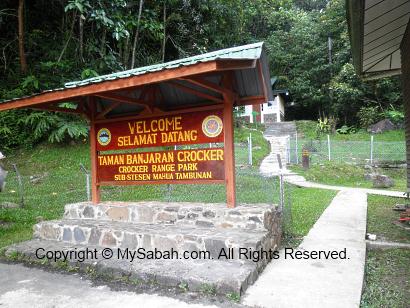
point(368, 116)
point(396, 116)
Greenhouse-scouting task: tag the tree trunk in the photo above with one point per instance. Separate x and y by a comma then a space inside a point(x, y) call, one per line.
point(103, 40)
point(164, 40)
point(81, 30)
point(134, 46)
point(23, 62)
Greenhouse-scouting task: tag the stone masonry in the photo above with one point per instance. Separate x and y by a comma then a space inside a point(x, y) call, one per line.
point(164, 226)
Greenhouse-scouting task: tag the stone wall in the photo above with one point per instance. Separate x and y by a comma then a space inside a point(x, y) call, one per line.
point(247, 216)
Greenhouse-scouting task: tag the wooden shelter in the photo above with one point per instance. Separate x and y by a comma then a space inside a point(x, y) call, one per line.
point(216, 80)
point(380, 38)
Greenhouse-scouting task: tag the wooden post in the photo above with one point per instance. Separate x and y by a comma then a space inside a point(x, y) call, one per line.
point(95, 189)
point(229, 151)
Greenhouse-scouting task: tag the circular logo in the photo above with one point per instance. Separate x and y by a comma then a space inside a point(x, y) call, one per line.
point(212, 126)
point(104, 136)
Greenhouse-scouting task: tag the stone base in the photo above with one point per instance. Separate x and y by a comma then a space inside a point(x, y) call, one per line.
point(181, 227)
point(223, 276)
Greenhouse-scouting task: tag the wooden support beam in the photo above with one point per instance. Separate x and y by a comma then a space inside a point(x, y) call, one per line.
point(158, 112)
point(195, 92)
point(95, 188)
point(122, 99)
point(252, 100)
point(57, 109)
point(207, 85)
point(262, 80)
point(229, 151)
point(109, 108)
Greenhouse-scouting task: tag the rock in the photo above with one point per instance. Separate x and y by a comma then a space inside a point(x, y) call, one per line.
point(118, 213)
point(166, 217)
point(371, 237)
point(8, 205)
point(208, 214)
point(203, 223)
point(88, 212)
point(79, 235)
point(3, 175)
point(382, 181)
point(381, 126)
point(109, 240)
point(369, 176)
point(67, 235)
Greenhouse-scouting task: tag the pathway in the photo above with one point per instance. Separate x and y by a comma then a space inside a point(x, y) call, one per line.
point(22, 287)
point(320, 283)
point(300, 181)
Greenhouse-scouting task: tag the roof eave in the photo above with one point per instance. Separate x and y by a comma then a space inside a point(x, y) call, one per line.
point(355, 19)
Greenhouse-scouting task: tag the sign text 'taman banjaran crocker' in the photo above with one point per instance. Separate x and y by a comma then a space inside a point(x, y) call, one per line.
point(162, 165)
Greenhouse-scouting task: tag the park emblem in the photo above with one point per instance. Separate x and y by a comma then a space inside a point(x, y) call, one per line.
point(212, 126)
point(104, 136)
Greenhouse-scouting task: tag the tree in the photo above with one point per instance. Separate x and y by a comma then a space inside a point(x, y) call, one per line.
point(22, 54)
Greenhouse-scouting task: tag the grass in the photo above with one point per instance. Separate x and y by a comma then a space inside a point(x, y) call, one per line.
point(387, 279)
point(342, 174)
point(308, 130)
point(307, 205)
point(380, 218)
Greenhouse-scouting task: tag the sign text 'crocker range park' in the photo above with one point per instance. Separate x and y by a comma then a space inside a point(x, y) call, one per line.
point(162, 165)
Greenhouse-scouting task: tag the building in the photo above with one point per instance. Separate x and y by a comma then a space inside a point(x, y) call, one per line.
point(380, 38)
point(271, 111)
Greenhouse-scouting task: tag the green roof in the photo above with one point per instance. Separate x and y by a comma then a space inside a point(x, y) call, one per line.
point(246, 52)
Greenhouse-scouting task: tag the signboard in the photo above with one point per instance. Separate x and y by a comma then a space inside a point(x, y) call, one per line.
point(179, 129)
point(161, 166)
point(180, 165)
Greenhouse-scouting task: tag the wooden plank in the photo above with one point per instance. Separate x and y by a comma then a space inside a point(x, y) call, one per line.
point(252, 100)
point(157, 131)
point(195, 92)
point(129, 82)
point(229, 153)
point(122, 99)
point(193, 165)
point(95, 189)
point(109, 108)
point(58, 109)
point(207, 85)
point(262, 80)
point(160, 113)
point(129, 183)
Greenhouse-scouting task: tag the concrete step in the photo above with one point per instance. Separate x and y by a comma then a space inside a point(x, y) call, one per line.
point(243, 217)
point(155, 236)
point(197, 275)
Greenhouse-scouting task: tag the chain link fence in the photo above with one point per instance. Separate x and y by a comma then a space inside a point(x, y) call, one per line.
point(66, 184)
point(363, 152)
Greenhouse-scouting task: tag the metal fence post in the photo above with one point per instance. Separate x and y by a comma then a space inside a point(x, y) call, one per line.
point(87, 178)
point(250, 149)
point(288, 151)
point(328, 146)
point(371, 149)
point(21, 186)
point(296, 148)
point(281, 185)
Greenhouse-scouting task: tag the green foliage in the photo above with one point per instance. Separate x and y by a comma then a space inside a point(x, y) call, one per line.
point(345, 130)
point(396, 116)
point(234, 297)
point(55, 127)
point(323, 126)
point(368, 116)
point(73, 39)
point(88, 73)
